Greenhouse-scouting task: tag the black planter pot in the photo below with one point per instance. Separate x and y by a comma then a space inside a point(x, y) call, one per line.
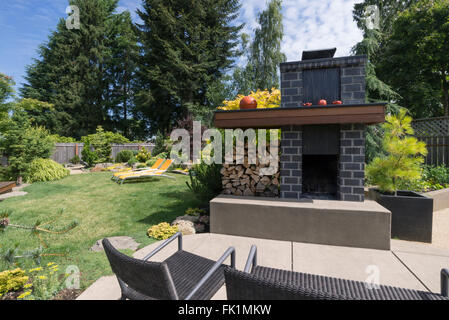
point(411, 214)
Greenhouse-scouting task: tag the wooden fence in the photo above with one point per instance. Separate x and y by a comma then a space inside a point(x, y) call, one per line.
point(63, 152)
point(435, 133)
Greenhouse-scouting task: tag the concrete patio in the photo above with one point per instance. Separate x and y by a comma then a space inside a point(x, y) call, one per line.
point(408, 264)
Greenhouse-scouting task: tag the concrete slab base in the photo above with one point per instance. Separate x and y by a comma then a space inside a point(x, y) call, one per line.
point(408, 265)
point(340, 223)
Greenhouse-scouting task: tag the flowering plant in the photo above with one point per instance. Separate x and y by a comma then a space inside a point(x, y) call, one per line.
point(162, 231)
point(265, 99)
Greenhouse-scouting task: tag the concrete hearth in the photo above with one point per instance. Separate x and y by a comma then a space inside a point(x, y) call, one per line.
point(340, 223)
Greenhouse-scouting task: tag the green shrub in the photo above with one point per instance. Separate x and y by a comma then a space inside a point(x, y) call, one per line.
point(89, 156)
point(22, 143)
point(75, 160)
point(403, 155)
point(205, 181)
point(143, 155)
point(162, 155)
point(132, 161)
point(101, 142)
point(436, 175)
point(60, 139)
point(159, 144)
point(12, 280)
point(124, 156)
point(195, 212)
point(46, 170)
point(141, 165)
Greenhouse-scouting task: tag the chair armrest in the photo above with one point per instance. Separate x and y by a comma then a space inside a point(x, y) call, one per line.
point(164, 244)
point(445, 282)
point(215, 267)
point(252, 259)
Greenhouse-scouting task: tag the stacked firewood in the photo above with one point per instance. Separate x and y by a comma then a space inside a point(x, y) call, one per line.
point(247, 180)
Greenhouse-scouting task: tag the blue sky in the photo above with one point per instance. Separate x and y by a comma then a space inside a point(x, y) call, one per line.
point(308, 24)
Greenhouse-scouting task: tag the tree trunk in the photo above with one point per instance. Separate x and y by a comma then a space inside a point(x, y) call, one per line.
point(445, 88)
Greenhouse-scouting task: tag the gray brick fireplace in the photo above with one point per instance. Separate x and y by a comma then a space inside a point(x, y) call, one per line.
point(323, 161)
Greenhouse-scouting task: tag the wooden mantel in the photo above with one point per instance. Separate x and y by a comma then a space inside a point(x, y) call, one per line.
point(276, 117)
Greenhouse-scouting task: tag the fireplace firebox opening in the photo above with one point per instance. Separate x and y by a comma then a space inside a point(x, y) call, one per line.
point(320, 174)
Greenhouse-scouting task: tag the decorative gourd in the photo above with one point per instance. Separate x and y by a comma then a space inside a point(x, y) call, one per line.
point(248, 102)
point(322, 102)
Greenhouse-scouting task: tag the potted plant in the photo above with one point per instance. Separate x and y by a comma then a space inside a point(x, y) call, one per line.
point(411, 212)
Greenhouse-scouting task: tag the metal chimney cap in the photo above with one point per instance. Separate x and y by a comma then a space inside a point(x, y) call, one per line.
point(318, 54)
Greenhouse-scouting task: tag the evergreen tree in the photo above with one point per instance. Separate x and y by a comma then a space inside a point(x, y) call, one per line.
point(71, 72)
point(263, 53)
point(6, 94)
point(121, 68)
point(371, 46)
point(186, 47)
point(415, 59)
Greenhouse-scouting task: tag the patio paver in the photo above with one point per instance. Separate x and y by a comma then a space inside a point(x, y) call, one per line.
point(407, 265)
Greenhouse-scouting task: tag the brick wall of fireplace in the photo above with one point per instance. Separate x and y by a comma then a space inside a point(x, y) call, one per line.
point(335, 170)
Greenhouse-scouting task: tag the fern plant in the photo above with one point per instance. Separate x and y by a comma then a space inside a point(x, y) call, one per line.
point(404, 155)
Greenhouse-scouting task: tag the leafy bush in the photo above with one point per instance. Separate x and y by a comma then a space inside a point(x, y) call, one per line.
point(60, 139)
point(162, 155)
point(12, 280)
point(89, 156)
point(46, 170)
point(162, 231)
point(159, 144)
point(404, 155)
point(432, 178)
point(101, 142)
point(195, 212)
point(75, 160)
point(205, 181)
point(132, 161)
point(124, 156)
point(143, 155)
point(436, 175)
point(22, 143)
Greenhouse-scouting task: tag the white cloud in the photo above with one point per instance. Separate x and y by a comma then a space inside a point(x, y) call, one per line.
point(310, 24)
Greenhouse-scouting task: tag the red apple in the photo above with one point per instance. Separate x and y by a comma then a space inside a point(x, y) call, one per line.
point(322, 102)
point(248, 102)
point(307, 104)
point(337, 102)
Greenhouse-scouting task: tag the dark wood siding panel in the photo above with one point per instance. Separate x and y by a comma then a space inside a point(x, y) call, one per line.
point(321, 84)
point(321, 139)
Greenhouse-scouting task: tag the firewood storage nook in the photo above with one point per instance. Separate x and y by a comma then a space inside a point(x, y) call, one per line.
point(322, 162)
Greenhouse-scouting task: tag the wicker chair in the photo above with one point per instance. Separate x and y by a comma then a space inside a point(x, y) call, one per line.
point(182, 276)
point(262, 283)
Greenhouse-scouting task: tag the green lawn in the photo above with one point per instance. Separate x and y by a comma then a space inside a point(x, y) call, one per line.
point(103, 209)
